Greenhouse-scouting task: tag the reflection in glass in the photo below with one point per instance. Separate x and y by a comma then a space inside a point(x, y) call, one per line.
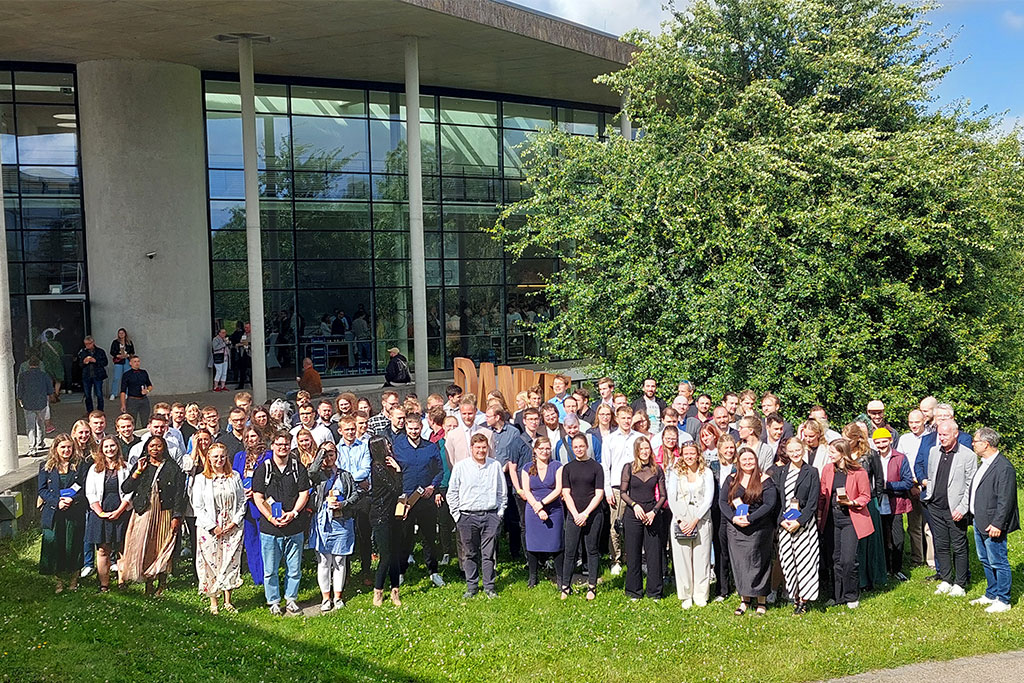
point(330, 144)
point(43, 138)
point(315, 101)
point(38, 87)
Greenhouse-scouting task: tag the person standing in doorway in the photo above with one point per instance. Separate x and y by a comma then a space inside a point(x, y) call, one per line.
point(33, 391)
point(93, 360)
point(220, 350)
point(121, 349)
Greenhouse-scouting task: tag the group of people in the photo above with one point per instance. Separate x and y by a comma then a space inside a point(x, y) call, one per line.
point(687, 493)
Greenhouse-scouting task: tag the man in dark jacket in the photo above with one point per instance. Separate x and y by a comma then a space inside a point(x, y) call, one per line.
point(993, 505)
point(397, 370)
point(93, 360)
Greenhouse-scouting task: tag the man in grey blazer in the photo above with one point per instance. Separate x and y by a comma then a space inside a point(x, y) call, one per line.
point(951, 466)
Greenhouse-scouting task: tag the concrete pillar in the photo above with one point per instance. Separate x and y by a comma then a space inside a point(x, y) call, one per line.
point(625, 125)
point(254, 249)
point(8, 403)
point(417, 262)
point(147, 242)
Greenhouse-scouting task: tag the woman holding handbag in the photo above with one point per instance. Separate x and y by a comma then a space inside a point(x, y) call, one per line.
point(690, 488)
point(121, 349)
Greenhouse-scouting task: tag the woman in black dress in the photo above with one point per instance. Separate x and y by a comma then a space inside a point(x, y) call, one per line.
point(385, 488)
point(642, 481)
point(582, 485)
point(749, 535)
point(108, 507)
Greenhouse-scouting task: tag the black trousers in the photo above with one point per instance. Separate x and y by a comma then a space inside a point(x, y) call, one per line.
point(243, 370)
point(720, 547)
point(423, 516)
point(949, 537)
point(479, 533)
point(892, 534)
point(642, 539)
point(843, 538)
point(364, 538)
point(591, 534)
point(388, 536)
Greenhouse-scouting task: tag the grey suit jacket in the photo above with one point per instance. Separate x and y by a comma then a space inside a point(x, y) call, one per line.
point(961, 471)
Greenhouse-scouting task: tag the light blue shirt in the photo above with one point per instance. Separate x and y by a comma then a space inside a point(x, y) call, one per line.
point(477, 488)
point(354, 459)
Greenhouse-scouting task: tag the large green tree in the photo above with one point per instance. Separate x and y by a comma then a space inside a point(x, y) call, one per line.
point(795, 216)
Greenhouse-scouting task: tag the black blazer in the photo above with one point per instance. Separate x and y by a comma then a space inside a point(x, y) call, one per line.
point(808, 485)
point(995, 500)
point(170, 485)
point(641, 405)
point(48, 484)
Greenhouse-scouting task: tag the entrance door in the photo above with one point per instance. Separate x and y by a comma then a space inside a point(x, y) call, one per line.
point(61, 318)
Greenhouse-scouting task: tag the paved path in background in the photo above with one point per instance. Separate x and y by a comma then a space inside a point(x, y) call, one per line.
point(1006, 666)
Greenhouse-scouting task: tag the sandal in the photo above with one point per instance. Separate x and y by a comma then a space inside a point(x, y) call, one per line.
point(60, 587)
point(564, 594)
point(214, 610)
point(591, 593)
point(230, 608)
point(105, 589)
point(742, 609)
point(761, 610)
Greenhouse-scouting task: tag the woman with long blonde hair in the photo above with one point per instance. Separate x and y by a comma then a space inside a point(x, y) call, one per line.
point(871, 567)
point(219, 503)
point(690, 488)
point(62, 494)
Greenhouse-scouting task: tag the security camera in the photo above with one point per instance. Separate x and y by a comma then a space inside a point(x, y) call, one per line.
point(150, 255)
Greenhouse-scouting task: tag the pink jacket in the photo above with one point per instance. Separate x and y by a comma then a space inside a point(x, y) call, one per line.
point(858, 490)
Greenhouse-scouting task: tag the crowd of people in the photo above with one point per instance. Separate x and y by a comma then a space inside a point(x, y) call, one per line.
point(711, 499)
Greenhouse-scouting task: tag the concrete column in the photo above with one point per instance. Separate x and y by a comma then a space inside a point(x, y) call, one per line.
point(253, 243)
point(144, 184)
point(417, 262)
point(8, 404)
point(625, 125)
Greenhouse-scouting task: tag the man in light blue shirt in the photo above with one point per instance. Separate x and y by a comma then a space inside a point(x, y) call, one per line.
point(353, 453)
point(476, 498)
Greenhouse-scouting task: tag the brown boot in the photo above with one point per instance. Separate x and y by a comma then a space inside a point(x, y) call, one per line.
point(378, 597)
point(394, 598)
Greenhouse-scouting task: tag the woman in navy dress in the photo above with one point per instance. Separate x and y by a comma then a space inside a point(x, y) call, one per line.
point(544, 516)
point(109, 511)
point(245, 463)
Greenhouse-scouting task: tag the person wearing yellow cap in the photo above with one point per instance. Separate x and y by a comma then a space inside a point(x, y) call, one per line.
point(877, 420)
point(895, 500)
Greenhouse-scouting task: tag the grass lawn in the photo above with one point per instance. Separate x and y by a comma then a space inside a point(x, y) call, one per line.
point(522, 635)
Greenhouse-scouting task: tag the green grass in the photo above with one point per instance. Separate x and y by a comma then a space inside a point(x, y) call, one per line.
point(435, 635)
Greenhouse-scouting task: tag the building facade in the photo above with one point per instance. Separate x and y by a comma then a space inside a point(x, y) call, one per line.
point(124, 191)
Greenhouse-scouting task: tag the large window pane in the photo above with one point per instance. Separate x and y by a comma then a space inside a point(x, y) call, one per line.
point(469, 151)
point(231, 184)
point(395, 245)
point(395, 188)
point(332, 215)
point(332, 245)
point(472, 272)
point(230, 215)
point(47, 135)
point(332, 274)
point(315, 101)
point(231, 244)
point(6, 88)
point(51, 214)
point(12, 213)
point(473, 245)
point(514, 143)
point(391, 105)
point(330, 144)
point(391, 273)
point(224, 141)
point(396, 217)
point(470, 189)
point(525, 116)
point(468, 218)
point(224, 96)
point(578, 121)
point(50, 278)
point(470, 112)
point(332, 185)
point(8, 142)
point(235, 275)
point(36, 87)
point(53, 245)
point(388, 147)
point(50, 180)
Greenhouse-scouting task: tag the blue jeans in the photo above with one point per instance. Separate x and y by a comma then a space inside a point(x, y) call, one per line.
point(115, 383)
point(93, 386)
point(273, 548)
point(992, 554)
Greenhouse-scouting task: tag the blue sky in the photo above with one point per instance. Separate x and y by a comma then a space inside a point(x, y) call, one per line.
point(990, 43)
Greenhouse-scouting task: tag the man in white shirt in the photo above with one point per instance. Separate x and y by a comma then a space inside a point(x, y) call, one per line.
point(307, 420)
point(669, 418)
point(616, 452)
point(606, 389)
point(921, 549)
point(927, 407)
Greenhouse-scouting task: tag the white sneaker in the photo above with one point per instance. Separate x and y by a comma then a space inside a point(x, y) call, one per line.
point(338, 604)
point(943, 588)
point(293, 607)
point(325, 606)
point(112, 397)
point(445, 559)
point(401, 579)
point(956, 592)
point(997, 606)
point(719, 598)
point(983, 600)
point(114, 568)
point(616, 569)
point(687, 604)
point(853, 605)
point(436, 578)
point(87, 571)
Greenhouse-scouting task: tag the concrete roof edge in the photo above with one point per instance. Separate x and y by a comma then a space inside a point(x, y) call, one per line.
point(513, 18)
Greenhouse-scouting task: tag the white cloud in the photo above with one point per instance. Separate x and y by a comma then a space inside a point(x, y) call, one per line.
point(611, 16)
point(1013, 20)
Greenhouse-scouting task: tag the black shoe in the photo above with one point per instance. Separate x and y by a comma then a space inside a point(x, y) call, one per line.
point(469, 594)
point(934, 577)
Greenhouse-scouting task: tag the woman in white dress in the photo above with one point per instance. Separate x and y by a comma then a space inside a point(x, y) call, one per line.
point(219, 503)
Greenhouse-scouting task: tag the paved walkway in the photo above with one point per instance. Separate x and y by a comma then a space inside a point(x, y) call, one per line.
point(1006, 666)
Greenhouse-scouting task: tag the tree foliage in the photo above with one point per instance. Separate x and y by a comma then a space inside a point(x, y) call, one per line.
point(794, 217)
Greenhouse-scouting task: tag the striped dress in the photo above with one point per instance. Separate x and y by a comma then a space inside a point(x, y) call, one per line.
point(798, 552)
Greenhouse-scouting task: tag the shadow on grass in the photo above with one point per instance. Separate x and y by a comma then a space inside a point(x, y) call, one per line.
point(127, 636)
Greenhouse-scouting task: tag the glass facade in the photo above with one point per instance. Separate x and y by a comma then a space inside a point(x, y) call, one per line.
point(42, 205)
point(334, 218)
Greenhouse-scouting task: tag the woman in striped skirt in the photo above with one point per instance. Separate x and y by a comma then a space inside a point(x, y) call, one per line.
point(798, 530)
